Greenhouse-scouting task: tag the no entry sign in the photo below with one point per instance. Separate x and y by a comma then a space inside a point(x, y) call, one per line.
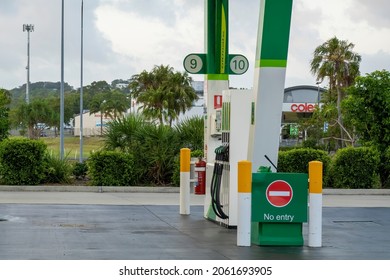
point(279, 193)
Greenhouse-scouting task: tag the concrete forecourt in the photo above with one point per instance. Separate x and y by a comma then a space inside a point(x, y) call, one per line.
point(81, 223)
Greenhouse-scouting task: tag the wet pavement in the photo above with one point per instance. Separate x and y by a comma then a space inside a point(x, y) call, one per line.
point(86, 228)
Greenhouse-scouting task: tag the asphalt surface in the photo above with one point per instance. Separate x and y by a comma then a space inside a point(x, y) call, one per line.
point(145, 224)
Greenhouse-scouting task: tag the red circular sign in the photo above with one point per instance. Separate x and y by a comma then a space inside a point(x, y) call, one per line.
point(279, 193)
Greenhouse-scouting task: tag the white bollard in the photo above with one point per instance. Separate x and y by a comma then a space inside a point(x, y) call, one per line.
point(244, 203)
point(315, 204)
point(185, 167)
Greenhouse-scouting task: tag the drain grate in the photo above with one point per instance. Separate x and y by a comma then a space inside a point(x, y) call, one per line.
point(72, 225)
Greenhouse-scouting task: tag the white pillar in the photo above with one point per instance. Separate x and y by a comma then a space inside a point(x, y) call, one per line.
point(185, 165)
point(244, 203)
point(315, 204)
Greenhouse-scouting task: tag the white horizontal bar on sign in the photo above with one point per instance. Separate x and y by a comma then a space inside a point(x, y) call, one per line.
point(279, 193)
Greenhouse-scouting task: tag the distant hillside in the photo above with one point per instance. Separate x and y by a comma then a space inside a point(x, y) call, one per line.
point(39, 89)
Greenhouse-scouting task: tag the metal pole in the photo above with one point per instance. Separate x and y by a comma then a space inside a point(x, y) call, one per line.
point(28, 69)
point(62, 86)
point(81, 83)
point(29, 28)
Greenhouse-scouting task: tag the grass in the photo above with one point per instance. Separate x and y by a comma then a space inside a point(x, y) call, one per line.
point(72, 145)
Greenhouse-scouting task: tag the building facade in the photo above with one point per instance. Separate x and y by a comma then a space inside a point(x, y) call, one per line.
point(93, 124)
point(299, 103)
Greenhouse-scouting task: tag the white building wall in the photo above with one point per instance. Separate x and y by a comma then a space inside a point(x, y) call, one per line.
point(91, 124)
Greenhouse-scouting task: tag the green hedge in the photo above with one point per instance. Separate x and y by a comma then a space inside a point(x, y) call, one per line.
point(111, 168)
point(22, 161)
point(297, 160)
point(355, 168)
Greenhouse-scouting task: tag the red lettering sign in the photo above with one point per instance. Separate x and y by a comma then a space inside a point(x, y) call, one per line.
point(303, 108)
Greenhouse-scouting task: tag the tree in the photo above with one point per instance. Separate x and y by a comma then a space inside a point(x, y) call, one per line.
point(367, 108)
point(336, 61)
point(53, 118)
point(163, 93)
point(29, 115)
point(116, 104)
point(5, 100)
point(182, 95)
point(97, 87)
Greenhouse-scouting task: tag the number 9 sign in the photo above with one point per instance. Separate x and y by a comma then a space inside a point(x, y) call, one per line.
point(195, 63)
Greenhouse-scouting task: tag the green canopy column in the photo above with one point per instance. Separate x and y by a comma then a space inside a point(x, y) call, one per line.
point(269, 80)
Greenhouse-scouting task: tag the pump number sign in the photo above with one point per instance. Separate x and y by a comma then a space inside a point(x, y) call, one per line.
point(195, 63)
point(279, 193)
point(238, 64)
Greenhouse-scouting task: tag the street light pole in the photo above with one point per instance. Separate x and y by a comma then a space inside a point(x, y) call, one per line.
point(62, 109)
point(29, 28)
point(81, 82)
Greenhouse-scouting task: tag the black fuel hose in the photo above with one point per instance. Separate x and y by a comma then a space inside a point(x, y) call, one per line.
point(222, 155)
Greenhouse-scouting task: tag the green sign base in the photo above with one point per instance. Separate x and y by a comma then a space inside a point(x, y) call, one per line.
point(277, 234)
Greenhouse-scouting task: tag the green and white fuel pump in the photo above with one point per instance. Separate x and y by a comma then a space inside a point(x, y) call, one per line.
point(240, 124)
point(217, 64)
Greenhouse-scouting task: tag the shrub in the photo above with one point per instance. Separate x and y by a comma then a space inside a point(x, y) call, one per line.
point(355, 168)
point(191, 132)
point(120, 133)
point(297, 160)
point(111, 168)
point(22, 161)
point(80, 170)
point(313, 144)
point(156, 154)
point(57, 170)
point(386, 184)
point(176, 172)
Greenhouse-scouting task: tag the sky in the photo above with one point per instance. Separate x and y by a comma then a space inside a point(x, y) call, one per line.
point(125, 37)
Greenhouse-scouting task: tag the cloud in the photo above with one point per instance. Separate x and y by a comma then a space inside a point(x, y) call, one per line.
point(147, 40)
point(124, 37)
point(375, 12)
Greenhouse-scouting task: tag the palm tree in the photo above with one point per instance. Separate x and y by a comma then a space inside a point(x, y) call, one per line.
point(183, 95)
point(163, 93)
point(116, 104)
point(336, 61)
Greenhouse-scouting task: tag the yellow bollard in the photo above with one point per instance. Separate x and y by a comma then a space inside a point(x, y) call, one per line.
point(185, 160)
point(315, 203)
point(315, 177)
point(244, 182)
point(185, 166)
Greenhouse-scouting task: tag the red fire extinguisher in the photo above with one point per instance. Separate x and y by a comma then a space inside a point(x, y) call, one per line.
point(200, 168)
